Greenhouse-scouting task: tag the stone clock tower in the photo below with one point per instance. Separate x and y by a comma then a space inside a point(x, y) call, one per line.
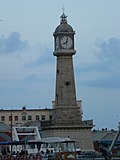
point(67, 111)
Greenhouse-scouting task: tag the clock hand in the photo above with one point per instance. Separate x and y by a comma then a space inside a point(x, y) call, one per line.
point(66, 41)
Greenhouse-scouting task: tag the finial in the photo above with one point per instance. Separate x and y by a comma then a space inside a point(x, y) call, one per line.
point(63, 16)
point(63, 9)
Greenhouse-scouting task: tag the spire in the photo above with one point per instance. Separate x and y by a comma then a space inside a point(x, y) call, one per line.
point(63, 17)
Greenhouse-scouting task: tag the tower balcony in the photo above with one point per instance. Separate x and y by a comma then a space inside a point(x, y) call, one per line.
point(64, 52)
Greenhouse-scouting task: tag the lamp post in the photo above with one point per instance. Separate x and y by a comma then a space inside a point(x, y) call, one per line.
point(11, 130)
point(11, 125)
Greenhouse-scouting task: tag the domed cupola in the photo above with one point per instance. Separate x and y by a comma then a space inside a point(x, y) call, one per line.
point(64, 26)
point(64, 38)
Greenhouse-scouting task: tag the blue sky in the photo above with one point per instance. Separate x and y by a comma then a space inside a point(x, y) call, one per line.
point(27, 64)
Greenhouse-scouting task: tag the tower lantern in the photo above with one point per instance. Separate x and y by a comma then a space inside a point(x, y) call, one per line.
point(64, 38)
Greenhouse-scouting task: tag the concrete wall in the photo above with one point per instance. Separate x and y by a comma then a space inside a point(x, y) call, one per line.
point(82, 136)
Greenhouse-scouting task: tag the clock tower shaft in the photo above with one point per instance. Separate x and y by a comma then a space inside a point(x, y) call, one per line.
point(65, 83)
point(64, 50)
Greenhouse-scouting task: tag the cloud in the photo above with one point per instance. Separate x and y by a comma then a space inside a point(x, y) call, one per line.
point(26, 71)
point(109, 50)
point(104, 72)
point(33, 63)
point(12, 43)
point(43, 55)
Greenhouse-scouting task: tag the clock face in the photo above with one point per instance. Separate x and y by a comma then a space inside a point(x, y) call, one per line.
point(66, 42)
point(57, 43)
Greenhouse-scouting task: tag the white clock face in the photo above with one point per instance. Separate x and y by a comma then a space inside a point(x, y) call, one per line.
point(57, 43)
point(66, 42)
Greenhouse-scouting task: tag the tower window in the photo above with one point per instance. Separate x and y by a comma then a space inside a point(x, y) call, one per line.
point(58, 71)
point(67, 83)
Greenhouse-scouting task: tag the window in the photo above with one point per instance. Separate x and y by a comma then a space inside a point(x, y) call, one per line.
point(57, 71)
point(24, 118)
point(50, 117)
point(43, 117)
point(29, 117)
point(10, 118)
point(16, 118)
point(31, 146)
point(67, 83)
point(37, 117)
point(2, 118)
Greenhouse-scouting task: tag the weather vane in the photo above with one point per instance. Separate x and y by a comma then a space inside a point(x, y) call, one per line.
point(63, 16)
point(63, 9)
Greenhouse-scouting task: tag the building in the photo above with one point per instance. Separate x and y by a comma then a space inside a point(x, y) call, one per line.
point(23, 116)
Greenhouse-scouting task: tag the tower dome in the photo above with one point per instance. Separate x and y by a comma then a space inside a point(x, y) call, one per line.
point(64, 26)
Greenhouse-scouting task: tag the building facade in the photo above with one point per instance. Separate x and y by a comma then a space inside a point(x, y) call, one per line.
point(24, 116)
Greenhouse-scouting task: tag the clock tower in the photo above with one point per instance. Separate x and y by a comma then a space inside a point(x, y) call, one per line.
point(67, 108)
point(67, 111)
